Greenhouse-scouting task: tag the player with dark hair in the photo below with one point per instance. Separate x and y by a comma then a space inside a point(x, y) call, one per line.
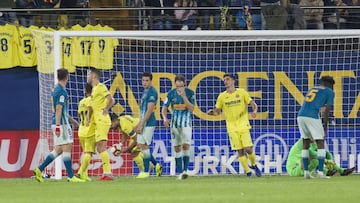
point(101, 102)
point(61, 129)
point(126, 124)
point(310, 124)
point(182, 101)
point(146, 127)
point(233, 102)
point(86, 132)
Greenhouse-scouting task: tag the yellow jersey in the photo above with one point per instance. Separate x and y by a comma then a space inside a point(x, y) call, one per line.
point(98, 98)
point(82, 112)
point(127, 124)
point(102, 55)
point(26, 47)
point(66, 57)
point(82, 46)
point(235, 108)
point(8, 46)
point(44, 42)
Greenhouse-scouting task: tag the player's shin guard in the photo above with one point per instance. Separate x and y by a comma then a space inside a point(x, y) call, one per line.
point(244, 163)
point(321, 157)
point(186, 159)
point(49, 158)
point(139, 162)
point(146, 159)
point(68, 164)
point(305, 159)
point(105, 159)
point(85, 162)
point(252, 158)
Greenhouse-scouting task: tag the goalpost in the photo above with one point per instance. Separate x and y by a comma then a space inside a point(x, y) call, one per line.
point(276, 67)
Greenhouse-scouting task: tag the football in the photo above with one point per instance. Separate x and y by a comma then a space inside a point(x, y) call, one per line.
point(116, 149)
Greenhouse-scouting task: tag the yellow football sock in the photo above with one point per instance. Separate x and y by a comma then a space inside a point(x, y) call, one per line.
point(244, 163)
point(105, 159)
point(139, 162)
point(252, 158)
point(84, 164)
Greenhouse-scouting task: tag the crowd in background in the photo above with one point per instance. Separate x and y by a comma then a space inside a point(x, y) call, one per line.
point(227, 14)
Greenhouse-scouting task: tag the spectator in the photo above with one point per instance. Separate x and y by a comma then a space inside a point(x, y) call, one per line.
point(48, 19)
point(331, 18)
point(72, 17)
point(296, 17)
point(205, 14)
point(254, 23)
point(313, 17)
point(274, 14)
point(26, 19)
point(7, 17)
point(187, 18)
point(352, 16)
point(160, 19)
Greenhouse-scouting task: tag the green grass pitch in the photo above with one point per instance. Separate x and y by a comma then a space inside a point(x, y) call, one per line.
point(229, 188)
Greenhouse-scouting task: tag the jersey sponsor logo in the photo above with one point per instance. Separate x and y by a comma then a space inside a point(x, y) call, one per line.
point(232, 103)
point(179, 107)
point(62, 99)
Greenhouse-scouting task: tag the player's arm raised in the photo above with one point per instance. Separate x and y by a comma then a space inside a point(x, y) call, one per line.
point(189, 105)
point(150, 109)
point(110, 102)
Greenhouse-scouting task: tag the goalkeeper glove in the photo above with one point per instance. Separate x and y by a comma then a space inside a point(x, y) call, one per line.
point(329, 164)
point(57, 130)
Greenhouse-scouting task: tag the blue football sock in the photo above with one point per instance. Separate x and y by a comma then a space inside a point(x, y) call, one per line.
point(186, 162)
point(146, 158)
point(321, 157)
point(179, 164)
point(49, 158)
point(68, 164)
point(305, 158)
point(186, 159)
point(152, 159)
point(179, 161)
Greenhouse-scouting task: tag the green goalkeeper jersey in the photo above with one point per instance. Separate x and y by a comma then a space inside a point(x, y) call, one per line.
point(295, 154)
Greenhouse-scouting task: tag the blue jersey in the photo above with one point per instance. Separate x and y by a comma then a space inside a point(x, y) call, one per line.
point(316, 98)
point(181, 116)
point(60, 97)
point(149, 96)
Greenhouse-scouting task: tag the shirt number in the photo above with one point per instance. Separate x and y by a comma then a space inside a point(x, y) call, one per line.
point(311, 95)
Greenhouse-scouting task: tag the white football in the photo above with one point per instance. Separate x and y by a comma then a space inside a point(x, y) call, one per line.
point(116, 149)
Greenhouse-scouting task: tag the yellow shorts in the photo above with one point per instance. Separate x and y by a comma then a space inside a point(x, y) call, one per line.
point(87, 144)
point(102, 127)
point(136, 148)
point(240, 139)
point(87, 131)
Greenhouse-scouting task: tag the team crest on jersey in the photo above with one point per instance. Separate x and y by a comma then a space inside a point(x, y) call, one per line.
point(237, 96)
point(62, 98)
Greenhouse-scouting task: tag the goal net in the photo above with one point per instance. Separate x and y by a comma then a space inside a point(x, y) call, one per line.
point(275, 67)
